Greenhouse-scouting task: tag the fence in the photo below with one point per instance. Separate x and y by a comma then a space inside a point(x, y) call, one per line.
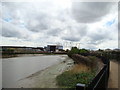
point(100, 80)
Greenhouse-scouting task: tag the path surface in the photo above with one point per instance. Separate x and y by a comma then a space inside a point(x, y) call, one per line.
point(113, 79)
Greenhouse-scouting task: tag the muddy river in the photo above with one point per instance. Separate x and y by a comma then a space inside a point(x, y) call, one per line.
point(17, 68)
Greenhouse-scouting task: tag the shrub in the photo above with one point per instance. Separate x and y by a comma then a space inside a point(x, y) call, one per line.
point(74, 50)
point(69, 80)
point(83, 52)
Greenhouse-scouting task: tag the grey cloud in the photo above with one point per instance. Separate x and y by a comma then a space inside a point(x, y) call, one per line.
point(8, 33)
point(54, 22)
point(39, 23)
point(64, 15)
point(99, 36)
point(54, 32)
point(81, 30)
point(74, 39)
point(88, 12)
point(36, 18)
point(75, 32)
point(10, 30)
point(13, 9)
point(90, 46)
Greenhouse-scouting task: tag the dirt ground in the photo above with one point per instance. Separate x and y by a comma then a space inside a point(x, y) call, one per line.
point(113, 79)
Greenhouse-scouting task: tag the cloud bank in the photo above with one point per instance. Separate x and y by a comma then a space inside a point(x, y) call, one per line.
point(93, 24)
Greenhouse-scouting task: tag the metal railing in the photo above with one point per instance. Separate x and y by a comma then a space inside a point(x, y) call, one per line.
point(100, 80)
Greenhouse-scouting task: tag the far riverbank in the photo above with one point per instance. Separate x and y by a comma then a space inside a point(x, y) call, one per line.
point(28, 54)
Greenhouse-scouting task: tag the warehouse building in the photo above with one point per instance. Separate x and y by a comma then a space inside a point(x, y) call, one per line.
point(54, 48)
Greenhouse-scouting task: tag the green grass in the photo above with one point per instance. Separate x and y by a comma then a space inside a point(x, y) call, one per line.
point(69, 80)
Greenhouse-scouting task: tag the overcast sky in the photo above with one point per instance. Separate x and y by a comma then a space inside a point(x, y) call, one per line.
point(92, 24)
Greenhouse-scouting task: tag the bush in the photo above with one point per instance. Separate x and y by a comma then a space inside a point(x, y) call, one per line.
point(83, 52)
point(69, 79)
point(74, 50)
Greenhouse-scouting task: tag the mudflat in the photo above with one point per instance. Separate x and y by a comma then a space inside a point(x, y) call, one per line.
point(45, 78)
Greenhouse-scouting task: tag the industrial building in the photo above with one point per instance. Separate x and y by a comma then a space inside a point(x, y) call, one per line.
point(54, 48)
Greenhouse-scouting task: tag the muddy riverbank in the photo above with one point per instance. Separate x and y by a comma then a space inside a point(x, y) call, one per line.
point(45, 78)
point(4, 56)
point(14, 69)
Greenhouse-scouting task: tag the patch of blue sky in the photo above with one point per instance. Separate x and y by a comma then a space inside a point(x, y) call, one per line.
point(109, 23)
point(7, 19)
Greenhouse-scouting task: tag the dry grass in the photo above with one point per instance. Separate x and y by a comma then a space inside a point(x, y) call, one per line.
point(80, 68)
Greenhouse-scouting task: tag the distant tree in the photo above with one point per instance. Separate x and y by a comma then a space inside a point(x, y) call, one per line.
point(67, 50)
point(8, 51)
point(83, 52)
point(100, 50)
point(74, 50)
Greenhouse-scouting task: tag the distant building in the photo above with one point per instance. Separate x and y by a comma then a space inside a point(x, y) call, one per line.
point(38, 48)
point(54, 48)
point(21, 49)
